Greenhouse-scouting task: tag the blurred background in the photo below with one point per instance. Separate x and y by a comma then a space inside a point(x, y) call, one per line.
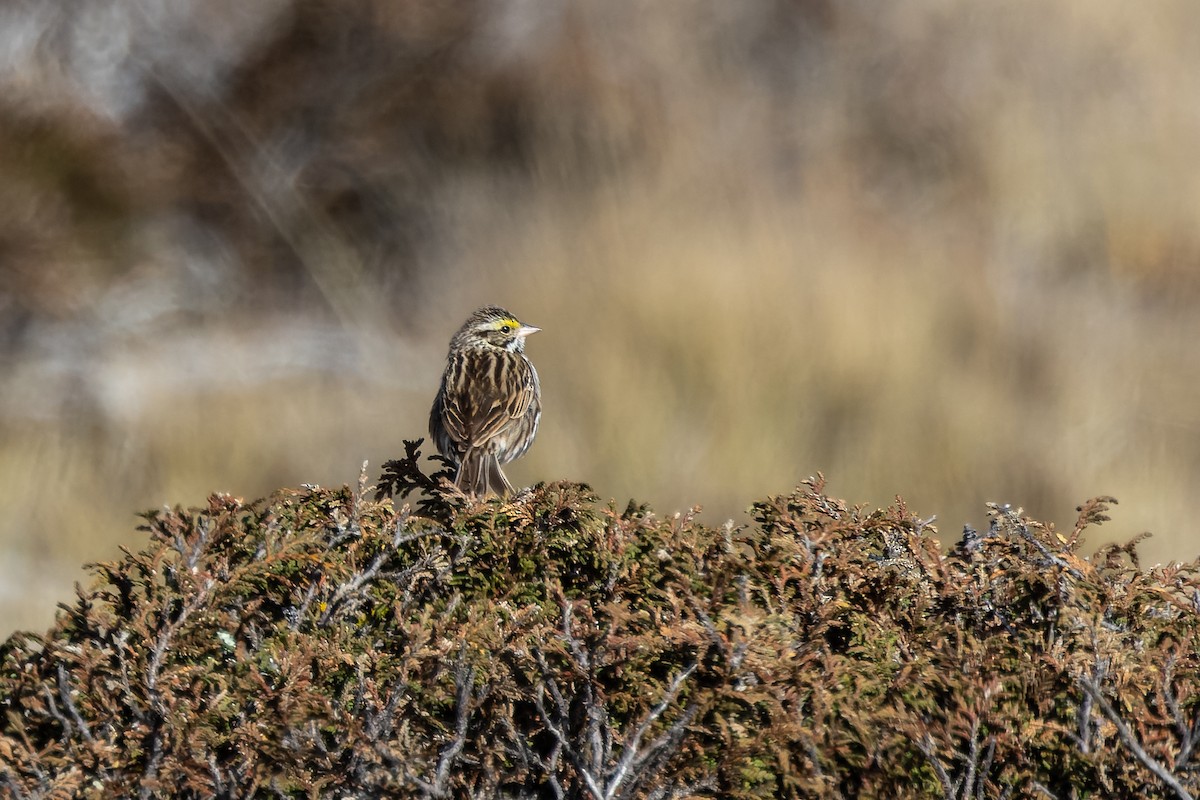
point(941, 249)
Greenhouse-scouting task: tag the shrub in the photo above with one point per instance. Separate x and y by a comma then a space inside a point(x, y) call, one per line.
point(321, 643)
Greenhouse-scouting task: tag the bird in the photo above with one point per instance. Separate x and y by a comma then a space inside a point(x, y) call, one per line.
point(487, 409)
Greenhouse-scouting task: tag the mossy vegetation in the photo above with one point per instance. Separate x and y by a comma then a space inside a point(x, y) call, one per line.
point(327, 643)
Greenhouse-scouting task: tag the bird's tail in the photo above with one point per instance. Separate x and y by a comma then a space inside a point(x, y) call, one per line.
point(479, 474)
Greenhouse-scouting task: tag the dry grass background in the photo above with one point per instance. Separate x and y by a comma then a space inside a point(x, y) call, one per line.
point(940, 249)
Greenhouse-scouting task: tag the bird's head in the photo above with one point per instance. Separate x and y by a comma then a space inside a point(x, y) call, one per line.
point(492, 326)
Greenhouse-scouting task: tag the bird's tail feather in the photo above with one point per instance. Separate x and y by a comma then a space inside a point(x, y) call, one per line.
point(479, 474)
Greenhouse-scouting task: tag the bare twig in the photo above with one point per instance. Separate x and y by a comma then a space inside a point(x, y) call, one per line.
point(968, 780)
point(463, 676)
point(630, 750)
point(8, 782)
point(1189, 731)
point(1092, 688)
point(64, 692)
point(985, 769)
point(362, 579)
point(929, 750)
point(1044, 791)
point(601, 781)
point(550, 686)
point(158, 653)
point(977, 763)
point(1019, 525)
point(1083, 719)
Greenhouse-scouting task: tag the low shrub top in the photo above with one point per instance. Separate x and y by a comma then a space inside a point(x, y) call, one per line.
point(320, 643)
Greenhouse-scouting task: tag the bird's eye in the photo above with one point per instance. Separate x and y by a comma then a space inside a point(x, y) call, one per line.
point(505, 328)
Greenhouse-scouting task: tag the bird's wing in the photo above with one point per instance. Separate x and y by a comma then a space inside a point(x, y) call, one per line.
point(477, 410)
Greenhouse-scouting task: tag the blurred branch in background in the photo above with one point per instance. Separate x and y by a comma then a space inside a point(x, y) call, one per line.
point(934, 249)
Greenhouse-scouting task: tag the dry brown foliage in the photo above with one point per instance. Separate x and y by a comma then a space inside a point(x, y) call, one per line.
point(321, 643)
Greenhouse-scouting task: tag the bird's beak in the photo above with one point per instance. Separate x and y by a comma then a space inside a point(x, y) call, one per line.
point(525, 330)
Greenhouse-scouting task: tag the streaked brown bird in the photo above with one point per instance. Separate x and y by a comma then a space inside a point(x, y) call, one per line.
point(487, 410)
